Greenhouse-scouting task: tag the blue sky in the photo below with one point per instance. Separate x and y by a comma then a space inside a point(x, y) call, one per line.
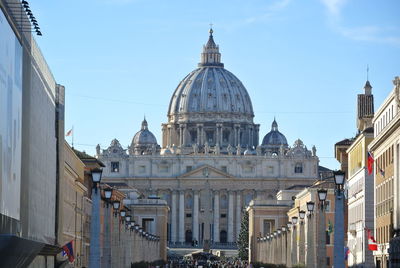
point(303, 62)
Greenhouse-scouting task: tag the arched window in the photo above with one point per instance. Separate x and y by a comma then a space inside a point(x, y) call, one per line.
point(298, 168)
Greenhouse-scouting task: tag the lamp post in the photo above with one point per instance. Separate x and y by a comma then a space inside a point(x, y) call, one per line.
point(338, 247)
point(108, 191)
point(302, 215)
point(294, 241)
point(94, 258)
point(321, 251)
point(284, 244)
point(289, 244)
point(278, 246)
point(310, 235)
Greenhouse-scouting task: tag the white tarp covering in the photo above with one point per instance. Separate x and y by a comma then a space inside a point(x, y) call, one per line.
point(10, 120)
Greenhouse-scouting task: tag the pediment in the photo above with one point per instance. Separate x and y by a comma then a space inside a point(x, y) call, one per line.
point(206, 171)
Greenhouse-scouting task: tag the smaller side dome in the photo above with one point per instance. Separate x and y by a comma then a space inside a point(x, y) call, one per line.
point(144, 142)
point(274, 137)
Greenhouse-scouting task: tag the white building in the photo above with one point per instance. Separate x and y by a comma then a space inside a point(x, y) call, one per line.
point(361, 185)
point(210, 164)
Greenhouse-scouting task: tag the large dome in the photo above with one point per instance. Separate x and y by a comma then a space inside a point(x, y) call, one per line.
point(210, 91)
point(210, 110)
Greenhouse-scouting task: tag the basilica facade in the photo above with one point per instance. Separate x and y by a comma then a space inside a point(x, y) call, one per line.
point(209, 165)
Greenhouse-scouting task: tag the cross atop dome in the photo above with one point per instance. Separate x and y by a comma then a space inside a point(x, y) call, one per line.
point(210, 55)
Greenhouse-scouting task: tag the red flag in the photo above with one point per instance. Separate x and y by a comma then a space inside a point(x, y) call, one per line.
point(372, 245)
point(68, 249)
point(69, 133)
point(370, 163)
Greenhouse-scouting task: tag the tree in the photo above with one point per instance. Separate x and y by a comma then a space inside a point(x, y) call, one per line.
point(243, 240)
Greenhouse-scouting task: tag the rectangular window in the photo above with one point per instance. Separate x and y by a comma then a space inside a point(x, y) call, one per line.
point(328, 261)
point(328, 238)
point(193, 136)
point(189, 168)
point(267, 227)
point(142, 169)
point(224, 169)
point(210, 137)
point(188, 215)
point(298, 168)
point(114, 166)
point(223, 215)
point(327, 206)
point(248, 169)
point(163, 168)
point(225, 136)
point(270, 170)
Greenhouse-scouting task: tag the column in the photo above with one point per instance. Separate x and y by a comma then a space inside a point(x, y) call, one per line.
point(216, 216)
point(310, 242)
point(230, 217)
point(173, 217)
point(338, 238)
point(284, 246)
point(94, 257)
point(235, 135)
point(169, 136)
point(195, 227)
point(251, 137)
point(301, 243)
point(181, 233)
point(181, 135)
point(198, 134)
point(238, 213)
point(289, 248)
point(294, 246)
point(106, 261)
point(184, 136)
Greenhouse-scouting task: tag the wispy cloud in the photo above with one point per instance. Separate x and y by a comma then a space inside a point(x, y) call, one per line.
point(334, 6)
point(366, 33)
point(269, 11)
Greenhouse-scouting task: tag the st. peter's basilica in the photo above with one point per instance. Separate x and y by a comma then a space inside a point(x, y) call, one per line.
point(210, 163)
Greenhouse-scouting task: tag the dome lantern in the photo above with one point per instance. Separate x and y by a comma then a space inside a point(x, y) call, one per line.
point(210, 55)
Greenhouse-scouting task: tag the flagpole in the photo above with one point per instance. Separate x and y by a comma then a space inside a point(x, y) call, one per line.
point(73, 136)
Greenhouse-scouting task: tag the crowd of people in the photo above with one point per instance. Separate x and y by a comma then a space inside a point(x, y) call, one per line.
point(190, 263)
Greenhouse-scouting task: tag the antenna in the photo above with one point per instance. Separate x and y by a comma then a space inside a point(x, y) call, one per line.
point(367, 71)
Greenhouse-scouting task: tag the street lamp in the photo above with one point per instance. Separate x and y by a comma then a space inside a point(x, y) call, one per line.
point(96, 177)
point(322, 193)
point(302, 215)
point(310, 207)
point(289, 225)
point(108, 193)
point(116, 204)
point(294, 221)
point(339, 178)
point(122, 213)
point(339, 220)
